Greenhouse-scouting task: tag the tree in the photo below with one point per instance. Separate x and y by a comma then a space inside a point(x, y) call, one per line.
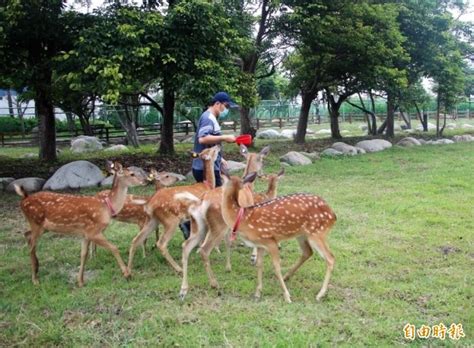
point(344, 47)
point(31, 35)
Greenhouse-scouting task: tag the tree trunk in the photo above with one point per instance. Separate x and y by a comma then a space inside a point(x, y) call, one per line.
point(390, 116)
point(85, 125)
point(307, 99)
point(245, 124)
point(10, 103)
point(20, 116)
point(70, 122)
point(166, 142)
point(126, 119)
point(437, 115)
point(47, 129)
point(333, 108)
point(406, 119)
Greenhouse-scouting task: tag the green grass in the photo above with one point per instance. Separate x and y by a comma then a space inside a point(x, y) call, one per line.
point(404, 254)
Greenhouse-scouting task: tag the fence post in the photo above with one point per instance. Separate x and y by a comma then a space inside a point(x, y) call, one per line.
point(235, 126)
point(107, 135)
point(186, 131)
point(258, 123)
point(280, 121)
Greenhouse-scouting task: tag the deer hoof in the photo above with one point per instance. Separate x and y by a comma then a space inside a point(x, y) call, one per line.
point(253, 260)
point(182, 294)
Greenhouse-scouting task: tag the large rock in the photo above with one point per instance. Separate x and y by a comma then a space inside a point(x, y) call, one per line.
point(233, 166)
point(75, 175)
point(268, 134)
point(85, 143)
point(431, 126)
point(4, 182)
point(463, 138)
point(311, 155)
point(138, 171)
point(467, 126)
point(347, 149)
point(295, 159)
point(30, 185)
point(323, 132)
point(408, 142)
point(178, 176)
point(288, 133)
point(107, 182)
point(118, 147)
point(331, 152)
point(374, 145)
point(439, 142)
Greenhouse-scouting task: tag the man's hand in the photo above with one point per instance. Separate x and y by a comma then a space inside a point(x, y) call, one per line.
point(229, 138)
point(224, 163)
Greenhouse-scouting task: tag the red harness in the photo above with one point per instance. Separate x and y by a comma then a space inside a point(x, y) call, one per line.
point(240, 215)
point(109, 205)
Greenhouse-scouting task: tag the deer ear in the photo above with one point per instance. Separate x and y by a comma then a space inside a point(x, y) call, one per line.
point(265, 151)
point(249, 178)
point(244, 151)
point(110, 167)
point(118, 167)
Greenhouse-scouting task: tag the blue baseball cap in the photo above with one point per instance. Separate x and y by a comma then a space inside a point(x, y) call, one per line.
point(223, 97)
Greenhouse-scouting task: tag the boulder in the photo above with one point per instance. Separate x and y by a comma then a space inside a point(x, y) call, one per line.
point(451, 126)
point(107, 182)
point(76, 174)
point(374, 145)
point(295, 159)
point(431, 126)
point(288, 133)
point(467, 126)
point(309, 131)
point(85, 143)
point(311, 155)
point(233, 166)
point(268, 134)
point(463, 138)
point(346, 149)
point(443, 142)
point(30, 185)
point(331, 152)
point(323, 131)
point(408, 142)
point(119, 147)
point(4, 182)
point(30, 155)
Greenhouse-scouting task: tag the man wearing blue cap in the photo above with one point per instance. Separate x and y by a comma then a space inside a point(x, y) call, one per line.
point(208, 134)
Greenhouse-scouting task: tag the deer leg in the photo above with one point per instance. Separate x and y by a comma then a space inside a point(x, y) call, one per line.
point(272, 248)
point(197, 232)
point(321, 246)
point(259, 264)
point(139, 238)
point(32, 238)
point(100, 240)
point(214, 237)
point(306, 254)
point(228, 249)
point(93, 250)
point(253, 257)
point(84, 252)
point(162, 245)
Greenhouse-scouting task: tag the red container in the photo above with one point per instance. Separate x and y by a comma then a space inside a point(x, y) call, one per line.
point(244, 139)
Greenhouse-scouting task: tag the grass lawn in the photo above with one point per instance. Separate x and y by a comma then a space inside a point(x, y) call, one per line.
point(404, 254)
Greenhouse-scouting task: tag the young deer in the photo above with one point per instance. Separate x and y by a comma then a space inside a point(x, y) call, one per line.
point(86, 216)
point(206, 216)
point(302, 216)
point(163, 208)
point(134, 213)
point(271, 193)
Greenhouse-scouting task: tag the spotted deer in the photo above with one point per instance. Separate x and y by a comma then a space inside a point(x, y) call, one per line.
point(85, 216)
point(163, 208)
point(206, 217)
point(305, 217)
point(133, 210)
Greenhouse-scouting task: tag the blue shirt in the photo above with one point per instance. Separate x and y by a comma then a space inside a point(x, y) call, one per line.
point(207, 126)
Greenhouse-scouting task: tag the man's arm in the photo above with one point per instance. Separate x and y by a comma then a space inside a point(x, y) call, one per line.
point(215, 139)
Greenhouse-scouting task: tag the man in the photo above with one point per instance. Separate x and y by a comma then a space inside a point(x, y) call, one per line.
point(208, 134)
